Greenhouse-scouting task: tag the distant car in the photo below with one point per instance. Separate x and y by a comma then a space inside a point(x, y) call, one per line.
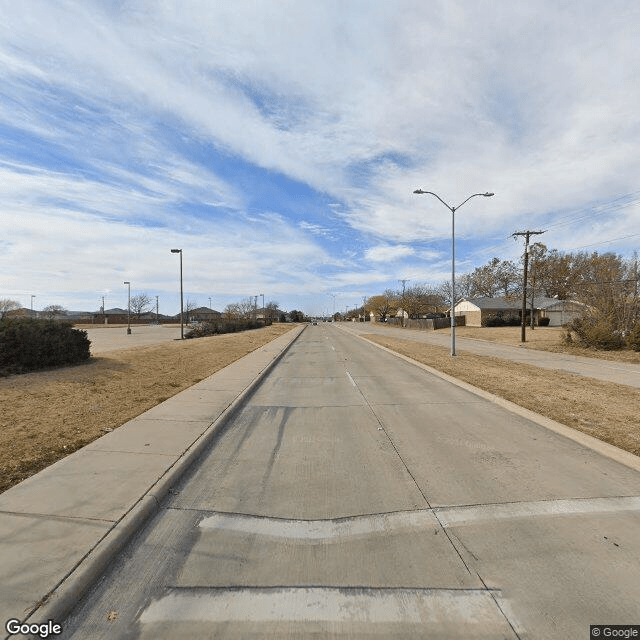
point(314, 322)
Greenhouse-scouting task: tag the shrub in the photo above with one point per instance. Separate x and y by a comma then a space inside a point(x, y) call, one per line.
point(28, 344)
point(597, 332)
point(223, 326)
point(633, 337)
point(544, 322)
point(494, 321)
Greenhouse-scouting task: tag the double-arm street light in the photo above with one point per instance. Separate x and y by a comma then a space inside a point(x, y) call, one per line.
point(129, 309)
point(453, 257)
point(333, 295)
point(181, 298)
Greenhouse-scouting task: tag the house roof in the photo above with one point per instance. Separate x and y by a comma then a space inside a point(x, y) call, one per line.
point(505, 304)
point(206, 310)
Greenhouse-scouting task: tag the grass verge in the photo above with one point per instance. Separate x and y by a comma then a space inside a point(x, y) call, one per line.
point(46, 415)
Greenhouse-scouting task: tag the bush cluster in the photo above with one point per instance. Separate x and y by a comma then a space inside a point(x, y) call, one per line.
point(28, 344)
point(203, 329)
point(594, 331)
point(633, 338)
point(501, 321)
point(544, 322)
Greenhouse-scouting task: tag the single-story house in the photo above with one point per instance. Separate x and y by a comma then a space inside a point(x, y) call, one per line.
point(559, 312)
point(203, 314)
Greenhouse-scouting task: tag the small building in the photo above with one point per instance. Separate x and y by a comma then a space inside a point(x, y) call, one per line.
point(203, 314)
point(559, 312)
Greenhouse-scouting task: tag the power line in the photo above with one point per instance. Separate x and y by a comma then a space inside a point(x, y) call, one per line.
point(593, 244)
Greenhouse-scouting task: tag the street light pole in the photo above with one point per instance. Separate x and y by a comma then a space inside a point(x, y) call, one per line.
point(333, 295)
point(181, 297)
point(32, 297)
point(453, 257)
point(129, 310)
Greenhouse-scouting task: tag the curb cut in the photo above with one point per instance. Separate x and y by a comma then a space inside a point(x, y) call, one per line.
point(59, 602)
point(604, 448)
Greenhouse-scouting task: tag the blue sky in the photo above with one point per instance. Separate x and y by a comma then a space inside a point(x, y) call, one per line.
point(278, 144)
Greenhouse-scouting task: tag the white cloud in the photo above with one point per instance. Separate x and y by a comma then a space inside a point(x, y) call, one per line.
point(388, 253)
point(535, 101)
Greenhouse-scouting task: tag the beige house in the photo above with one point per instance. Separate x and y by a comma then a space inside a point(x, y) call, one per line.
point(559, 312)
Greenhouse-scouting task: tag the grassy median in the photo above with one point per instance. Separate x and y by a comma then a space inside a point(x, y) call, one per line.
point(47, 415)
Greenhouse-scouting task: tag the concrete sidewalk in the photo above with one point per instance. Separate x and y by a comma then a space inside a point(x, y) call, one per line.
point(605, 370)
point(60, 528)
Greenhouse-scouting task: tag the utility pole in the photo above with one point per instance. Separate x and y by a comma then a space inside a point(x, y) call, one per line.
point(523, 323)
point(157, 311)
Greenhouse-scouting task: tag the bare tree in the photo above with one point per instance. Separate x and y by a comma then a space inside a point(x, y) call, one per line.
point(246, 307)
point(54, 311)
point(189, 306)
point(232, 311)
point(271, 311)
point(6, 306)
point(140, 304)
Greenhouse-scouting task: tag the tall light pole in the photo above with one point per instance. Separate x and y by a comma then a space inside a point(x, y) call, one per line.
point(333, 295)
point(181, 297)
point(32, 297)
point(129, 310)
point(264, 313)
point(157, 311)
point(453, 257)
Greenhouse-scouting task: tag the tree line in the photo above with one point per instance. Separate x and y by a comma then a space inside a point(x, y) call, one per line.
point(606, 282)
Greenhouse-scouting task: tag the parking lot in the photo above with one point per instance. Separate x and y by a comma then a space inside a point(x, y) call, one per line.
point(105, 338)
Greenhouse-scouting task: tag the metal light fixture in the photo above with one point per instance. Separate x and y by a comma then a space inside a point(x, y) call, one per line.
point(181, 298)
point(453, 256)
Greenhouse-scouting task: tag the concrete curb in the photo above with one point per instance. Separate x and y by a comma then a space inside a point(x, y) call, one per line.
point(604, 448)
point(57, 604)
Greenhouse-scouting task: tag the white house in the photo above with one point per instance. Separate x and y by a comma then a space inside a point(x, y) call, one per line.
point(559, 312)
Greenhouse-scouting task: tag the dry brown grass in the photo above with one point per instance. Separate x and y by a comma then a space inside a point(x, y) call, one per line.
point(47, 415)
point(544, 339)
point(603, 410)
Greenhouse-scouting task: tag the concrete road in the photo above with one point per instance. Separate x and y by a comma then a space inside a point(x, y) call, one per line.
point(105, 339)
point(606, 370)
point(357, 496)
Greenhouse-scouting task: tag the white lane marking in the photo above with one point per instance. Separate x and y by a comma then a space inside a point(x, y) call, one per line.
point(446, 608)
point(321, 530)
point(457, 516)
point(327, 531)
point(351, 379)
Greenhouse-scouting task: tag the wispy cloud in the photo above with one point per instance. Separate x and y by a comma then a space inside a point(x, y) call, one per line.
point(190, 121)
